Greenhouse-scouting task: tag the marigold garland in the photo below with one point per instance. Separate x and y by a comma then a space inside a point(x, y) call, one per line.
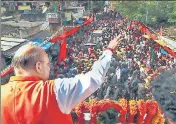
point(150, 107)
point(141, 111)
point(132, 111)
point(124, 104)
point(80, 109)
point(158, 118)
point(98, 107)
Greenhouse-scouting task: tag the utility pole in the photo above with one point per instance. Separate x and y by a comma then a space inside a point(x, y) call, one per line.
point(146, 12)
point(60, 11)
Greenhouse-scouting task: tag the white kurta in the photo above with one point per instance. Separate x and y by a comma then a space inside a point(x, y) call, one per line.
point(71, 91)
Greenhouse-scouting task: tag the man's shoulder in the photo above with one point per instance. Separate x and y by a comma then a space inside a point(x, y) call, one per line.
point(48, 83)
point(3, 86)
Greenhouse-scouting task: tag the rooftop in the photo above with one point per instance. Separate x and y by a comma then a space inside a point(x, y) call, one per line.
point(9, 45)
point(22, 24)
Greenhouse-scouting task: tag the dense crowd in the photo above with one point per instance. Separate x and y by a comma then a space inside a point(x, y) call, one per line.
point(137, 60)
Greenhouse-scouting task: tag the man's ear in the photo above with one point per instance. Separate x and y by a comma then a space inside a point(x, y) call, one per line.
point(38, 67)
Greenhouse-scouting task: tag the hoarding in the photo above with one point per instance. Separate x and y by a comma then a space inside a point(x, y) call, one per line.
point(52, 17)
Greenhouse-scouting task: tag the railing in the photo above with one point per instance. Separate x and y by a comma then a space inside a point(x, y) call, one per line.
point(147, 112)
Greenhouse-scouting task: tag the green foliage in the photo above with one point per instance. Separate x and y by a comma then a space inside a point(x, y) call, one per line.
point(97, 6)
point(149, 12)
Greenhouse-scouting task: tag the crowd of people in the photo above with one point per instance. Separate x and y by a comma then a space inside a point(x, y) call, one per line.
point(137, 61)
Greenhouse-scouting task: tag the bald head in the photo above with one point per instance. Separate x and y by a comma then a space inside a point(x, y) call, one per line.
point(31, 60)
point(26, 56)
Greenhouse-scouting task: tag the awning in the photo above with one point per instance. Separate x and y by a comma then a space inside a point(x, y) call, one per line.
point(42, 44)
point(79, 21)
point(9, 43)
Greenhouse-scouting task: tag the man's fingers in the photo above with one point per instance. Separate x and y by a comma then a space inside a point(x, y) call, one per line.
point(121, 39)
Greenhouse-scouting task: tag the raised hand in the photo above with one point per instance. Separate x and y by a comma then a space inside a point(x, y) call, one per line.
point(113, 43)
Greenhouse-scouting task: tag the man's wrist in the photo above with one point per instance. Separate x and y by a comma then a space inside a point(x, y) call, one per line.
point(111, 49)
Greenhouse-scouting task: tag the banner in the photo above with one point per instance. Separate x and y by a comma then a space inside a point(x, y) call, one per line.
point(68, 16)
point(64, 36)
point(63, 50)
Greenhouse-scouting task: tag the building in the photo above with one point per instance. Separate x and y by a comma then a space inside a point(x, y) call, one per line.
point(20, 29)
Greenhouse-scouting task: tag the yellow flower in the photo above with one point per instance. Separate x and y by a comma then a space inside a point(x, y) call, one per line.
point(133, 107)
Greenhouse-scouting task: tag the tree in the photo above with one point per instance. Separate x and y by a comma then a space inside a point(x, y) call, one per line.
point(149, 12)
point(172, 16)
point(97, 6)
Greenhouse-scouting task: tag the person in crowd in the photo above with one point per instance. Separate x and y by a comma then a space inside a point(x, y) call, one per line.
point(35, 99)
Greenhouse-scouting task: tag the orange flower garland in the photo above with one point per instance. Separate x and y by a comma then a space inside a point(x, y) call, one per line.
point(141, 111)
point(80, 109)
point(158, 119)
point(141, 107)
point(132, 111)
point(98, 107)
point(124, 104)
point(152, 108)
point(93, 111)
